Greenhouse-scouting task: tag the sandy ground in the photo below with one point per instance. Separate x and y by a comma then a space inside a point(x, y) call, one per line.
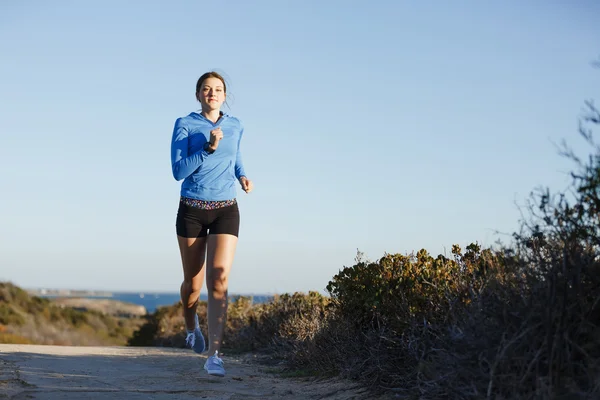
point(67, 372)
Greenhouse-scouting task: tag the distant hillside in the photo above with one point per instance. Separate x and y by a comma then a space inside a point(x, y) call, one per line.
point(30, 319)
point(105, 306)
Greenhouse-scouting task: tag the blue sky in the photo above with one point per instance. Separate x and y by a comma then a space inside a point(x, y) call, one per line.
point(384, 126)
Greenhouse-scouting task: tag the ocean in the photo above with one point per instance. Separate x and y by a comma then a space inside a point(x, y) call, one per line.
point(154, 300)
point(151, 301)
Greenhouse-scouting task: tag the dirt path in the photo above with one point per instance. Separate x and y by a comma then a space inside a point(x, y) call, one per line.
point(66, 372)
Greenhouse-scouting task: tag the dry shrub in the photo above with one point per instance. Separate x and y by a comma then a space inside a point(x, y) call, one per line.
point(390, 322)
point(10, 338)
point(551, 345)
point(276, 324)
point(249, 326)
point(31, 319)
point(164, 328)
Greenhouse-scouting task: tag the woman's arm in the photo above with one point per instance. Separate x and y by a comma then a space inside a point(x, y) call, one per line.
point(182, 164)
point(240, 173)
point(239, 164)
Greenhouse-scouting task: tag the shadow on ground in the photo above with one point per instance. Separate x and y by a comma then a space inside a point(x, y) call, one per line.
point(66, 372)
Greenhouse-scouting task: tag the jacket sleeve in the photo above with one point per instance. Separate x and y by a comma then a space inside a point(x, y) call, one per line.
point(182, 163)
point(239, 165)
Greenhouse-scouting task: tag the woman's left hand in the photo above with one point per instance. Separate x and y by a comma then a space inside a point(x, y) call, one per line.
point(247, 184)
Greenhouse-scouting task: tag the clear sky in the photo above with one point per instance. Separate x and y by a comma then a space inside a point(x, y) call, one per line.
point(383, 126)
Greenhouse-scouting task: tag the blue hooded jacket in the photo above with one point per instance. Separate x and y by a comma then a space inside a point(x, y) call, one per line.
point(207, 176)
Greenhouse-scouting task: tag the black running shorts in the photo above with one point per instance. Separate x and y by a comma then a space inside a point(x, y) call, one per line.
point(193, 222)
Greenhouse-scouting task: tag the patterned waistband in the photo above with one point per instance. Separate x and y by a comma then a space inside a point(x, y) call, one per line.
point(207, 204)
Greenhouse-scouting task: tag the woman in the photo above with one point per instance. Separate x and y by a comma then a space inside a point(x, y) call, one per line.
point(205, 154)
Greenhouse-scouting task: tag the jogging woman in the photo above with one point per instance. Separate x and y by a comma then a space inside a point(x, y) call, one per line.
point(205, 154)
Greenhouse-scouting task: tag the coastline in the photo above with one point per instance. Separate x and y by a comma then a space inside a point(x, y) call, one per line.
point(149, 300)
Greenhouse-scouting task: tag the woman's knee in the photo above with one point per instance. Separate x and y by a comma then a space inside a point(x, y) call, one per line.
point(192, 286)
point(218, 281)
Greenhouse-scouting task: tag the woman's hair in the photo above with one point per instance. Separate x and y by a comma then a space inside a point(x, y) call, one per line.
point(211, 74)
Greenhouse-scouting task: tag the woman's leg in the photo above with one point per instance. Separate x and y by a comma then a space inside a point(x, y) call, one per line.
point(221, 251)
point(193, 252)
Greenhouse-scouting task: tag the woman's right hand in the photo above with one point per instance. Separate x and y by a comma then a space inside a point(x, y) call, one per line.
point(215, 136)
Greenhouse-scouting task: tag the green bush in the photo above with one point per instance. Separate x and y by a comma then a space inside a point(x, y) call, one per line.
point(32, 319)
point(73, 317)
point(12, 294)
point(398, 290)
point(8, 316)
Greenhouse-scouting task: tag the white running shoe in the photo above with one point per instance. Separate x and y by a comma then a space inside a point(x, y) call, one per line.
point(195, 340)
point(214, 365)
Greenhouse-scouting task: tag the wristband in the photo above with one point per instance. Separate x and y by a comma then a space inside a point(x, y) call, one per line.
point(207, 148)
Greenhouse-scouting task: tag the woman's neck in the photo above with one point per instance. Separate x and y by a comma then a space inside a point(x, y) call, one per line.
point(212, 115)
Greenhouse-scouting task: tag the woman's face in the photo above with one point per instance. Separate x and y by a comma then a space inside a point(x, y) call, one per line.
point(211, 94)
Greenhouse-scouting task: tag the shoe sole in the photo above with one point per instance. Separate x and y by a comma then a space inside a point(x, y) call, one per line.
point(214, 373)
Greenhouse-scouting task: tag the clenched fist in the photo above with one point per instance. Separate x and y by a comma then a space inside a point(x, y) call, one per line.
point(247, 184)
point(215, 136)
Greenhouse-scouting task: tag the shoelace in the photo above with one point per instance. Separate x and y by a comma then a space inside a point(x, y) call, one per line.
point(216, 360)
point(190, 340)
